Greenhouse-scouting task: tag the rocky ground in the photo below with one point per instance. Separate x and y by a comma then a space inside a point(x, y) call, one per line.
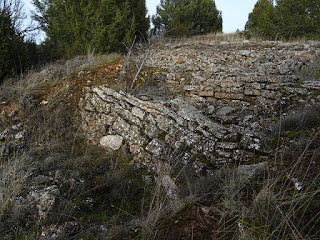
point(217, 140)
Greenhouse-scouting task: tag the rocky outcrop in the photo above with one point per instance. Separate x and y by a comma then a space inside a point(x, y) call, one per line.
point(12, 140)
point(154, 129)
point(221, 96)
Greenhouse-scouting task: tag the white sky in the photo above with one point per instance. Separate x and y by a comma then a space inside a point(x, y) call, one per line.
point(234, 12)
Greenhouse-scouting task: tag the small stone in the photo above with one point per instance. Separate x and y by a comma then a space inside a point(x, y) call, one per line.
point(80, 73)
point(112, 141)
point(170, 187)
point(222, 95)
point(138, 112)
point(227, 145)
point(156, 147)
point(250, 170)
point(205, 209)
point(190, 88)
point(252, 92)
point(180, 61)
point(45, 200)
point(245, 53)
point(225, 111)
point(206, 94)
point(21, 135)
point(208, 74)
point(44, 102)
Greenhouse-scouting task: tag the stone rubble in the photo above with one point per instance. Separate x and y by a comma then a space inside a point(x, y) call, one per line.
point(46, 201)
point(12, 140)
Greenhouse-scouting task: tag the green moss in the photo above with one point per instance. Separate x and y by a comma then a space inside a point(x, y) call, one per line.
point(162, 137)
point(204, 159)
point(213, 119)
point(90, 236)
point(187, 76)
point(277, 141)
point(293, 134)
point(316, 92)
point(79, 202)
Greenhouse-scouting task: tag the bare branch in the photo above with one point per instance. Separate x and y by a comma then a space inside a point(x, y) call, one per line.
point(146, 56)
point(136, 57)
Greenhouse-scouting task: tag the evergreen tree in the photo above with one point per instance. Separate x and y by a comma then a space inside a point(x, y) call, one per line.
point(262, 20)
point(6, 33)
point(13, 51)
point(73, 26)
point(187, 17)
point(298, 18)
point(287, 19)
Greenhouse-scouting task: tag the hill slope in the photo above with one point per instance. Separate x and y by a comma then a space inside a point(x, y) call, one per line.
point(217, 140)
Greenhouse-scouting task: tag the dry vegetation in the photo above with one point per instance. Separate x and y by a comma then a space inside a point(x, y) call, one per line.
point(280, 201)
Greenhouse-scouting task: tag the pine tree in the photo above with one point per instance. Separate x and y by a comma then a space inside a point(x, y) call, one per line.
point(13, 51)
point(187, 17)
point(73, 26)
point(262, 20)
point(7, 32)
point(293, 18)
point(288, 19)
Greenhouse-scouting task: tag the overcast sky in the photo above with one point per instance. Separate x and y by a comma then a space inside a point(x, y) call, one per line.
point(234, 12)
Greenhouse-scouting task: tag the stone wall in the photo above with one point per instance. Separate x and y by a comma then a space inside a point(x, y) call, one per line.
point(243, 72)
point(222, 96)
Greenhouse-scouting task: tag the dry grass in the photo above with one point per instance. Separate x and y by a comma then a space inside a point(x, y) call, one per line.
point(52, 131)
point(280, 201)
point(12, 181)
point(53, 74)
point(235, 37)
point(212, 37)
point(275, 208)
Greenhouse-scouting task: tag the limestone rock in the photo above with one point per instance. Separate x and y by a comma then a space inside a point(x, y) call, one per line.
point(225, 110)
point(111, 141)
point(156, 147)
point(66, 230)
point(138, 113)
point(250, 170)
point(45, 200)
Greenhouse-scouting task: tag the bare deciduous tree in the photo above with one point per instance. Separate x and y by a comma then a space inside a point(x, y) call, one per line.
point(13, 9)
point(135, 59)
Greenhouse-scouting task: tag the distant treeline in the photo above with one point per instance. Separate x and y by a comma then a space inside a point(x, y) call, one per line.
point(285, 19)
point(74, 26)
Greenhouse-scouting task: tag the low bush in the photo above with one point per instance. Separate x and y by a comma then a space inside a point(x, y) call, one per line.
point(306, 119)
point(312, 71)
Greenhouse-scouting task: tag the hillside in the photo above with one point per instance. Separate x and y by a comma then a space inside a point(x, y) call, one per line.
point(216, 140)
